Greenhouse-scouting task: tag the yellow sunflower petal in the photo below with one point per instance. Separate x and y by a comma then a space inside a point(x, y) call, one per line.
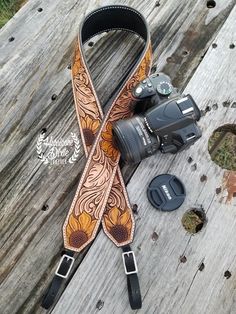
point(83, 123)
point(85, 221)
point(95, 125)
point(107, 136)
point(91, 227)
point(129, 225)
point(73, 222)
point(111, 149)
point(114, 215)
point(68, 230)
point(105, 146)
point(124, 218)
point(88, 122)
point(108, 222)
point(109, 127)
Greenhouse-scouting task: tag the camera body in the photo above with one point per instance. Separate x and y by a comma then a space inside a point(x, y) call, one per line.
point(170, 123)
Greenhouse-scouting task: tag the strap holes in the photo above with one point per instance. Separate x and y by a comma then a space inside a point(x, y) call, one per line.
point(40, 9)
point(69, 67)
point(11, 39)
point(214, 45)
point(211, 4)
point(157, 4)
point(45, 207)
point(232, 46)
point(185, 53)
point(90, 44)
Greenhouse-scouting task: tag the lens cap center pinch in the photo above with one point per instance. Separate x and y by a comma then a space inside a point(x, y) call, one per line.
point(166, 192)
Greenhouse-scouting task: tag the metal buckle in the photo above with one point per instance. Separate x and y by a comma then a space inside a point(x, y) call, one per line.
point(68, 257)
point(134, 262)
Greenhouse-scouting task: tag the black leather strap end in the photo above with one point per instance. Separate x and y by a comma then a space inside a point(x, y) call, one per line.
point(62, 273)
point(51, 292)
point(134, 292)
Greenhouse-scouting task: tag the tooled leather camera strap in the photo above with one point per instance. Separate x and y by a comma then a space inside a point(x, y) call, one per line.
point(101, 195)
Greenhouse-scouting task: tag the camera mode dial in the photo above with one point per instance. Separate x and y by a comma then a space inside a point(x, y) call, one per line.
point(164, 88)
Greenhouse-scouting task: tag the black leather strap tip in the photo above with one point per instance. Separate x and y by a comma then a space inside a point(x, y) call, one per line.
point(51, 292)
point(134, 292)
point(131, 270)
point(62, 273)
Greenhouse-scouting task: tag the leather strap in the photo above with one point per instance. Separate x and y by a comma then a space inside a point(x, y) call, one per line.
point(101, 170)
point(134, 293)
point(61, 273)
point(101, 194)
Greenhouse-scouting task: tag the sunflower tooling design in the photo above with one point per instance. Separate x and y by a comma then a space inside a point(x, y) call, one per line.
point(94, 192)
point(90, 128)
point(118, 223)
point(106, 143)
point(79, 229)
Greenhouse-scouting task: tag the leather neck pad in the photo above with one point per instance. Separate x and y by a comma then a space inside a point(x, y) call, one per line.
point(114, 18)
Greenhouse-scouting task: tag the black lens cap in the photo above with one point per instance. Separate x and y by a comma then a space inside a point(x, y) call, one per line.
point(166, 192)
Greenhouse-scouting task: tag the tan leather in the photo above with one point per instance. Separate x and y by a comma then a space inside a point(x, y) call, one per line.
point(101, 194)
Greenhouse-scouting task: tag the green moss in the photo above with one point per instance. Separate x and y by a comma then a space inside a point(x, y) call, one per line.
point(222, 148)
point(8, 8)
point(215, 137)
point(193, 220)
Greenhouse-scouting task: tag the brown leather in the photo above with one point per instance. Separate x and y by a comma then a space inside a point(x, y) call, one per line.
point(101, 194)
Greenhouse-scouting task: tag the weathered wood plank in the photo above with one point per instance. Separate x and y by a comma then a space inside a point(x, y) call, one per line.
point(27, 108)
point(33, 67)
point(168, 285)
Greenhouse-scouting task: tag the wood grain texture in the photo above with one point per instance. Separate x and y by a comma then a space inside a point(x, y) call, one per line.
point(169, 286)
point(33, 67)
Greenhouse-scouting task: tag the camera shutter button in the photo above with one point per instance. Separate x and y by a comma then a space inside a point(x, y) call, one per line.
point(138, 90)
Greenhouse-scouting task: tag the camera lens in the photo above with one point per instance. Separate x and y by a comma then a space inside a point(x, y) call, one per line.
point(134, 140)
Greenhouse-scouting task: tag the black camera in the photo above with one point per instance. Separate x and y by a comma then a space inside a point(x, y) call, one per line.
point(169, 125)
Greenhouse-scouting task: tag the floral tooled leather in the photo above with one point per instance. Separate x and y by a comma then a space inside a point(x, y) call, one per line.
point(118, 223)
point(106, 143)
point(80, 228)
point(101, 187)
